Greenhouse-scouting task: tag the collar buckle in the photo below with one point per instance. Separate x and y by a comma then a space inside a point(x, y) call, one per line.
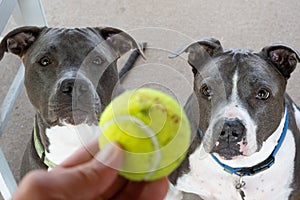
point(250, 171)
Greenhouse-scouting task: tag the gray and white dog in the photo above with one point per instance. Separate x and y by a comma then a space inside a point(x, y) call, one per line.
point(70, 76)
point(246, 141)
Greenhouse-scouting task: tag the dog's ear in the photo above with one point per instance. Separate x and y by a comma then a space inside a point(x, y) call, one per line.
point(284, 57)
point(119, 40)
point(199, 52)
point(19, 40)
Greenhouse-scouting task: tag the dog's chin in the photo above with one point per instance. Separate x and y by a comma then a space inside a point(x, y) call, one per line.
point(229, 154)
point(227, 151)
point(67, 115)
point(76, 119)
point(72, 121)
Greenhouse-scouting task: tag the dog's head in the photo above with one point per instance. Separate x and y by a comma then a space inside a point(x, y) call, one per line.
point(70, 74)
point(241, 94)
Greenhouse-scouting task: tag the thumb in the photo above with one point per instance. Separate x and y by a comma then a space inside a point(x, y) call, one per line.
point(93, 178)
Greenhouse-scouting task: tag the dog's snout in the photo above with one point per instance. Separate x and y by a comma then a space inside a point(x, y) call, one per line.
point(71, 85)
point(233, 130)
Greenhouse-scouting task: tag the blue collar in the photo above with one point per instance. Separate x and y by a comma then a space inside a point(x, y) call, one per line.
point(249, 171)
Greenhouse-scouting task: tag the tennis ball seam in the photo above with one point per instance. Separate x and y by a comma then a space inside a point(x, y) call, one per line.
point(148, 131)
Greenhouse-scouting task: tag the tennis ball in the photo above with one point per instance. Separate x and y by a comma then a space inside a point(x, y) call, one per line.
point(153, 130)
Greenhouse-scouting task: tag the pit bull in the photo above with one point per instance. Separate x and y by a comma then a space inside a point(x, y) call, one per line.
point(70, 76)
point(246, 143)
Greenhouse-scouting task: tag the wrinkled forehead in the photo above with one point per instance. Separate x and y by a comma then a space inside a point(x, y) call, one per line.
point(71, 42)
point(244, 66)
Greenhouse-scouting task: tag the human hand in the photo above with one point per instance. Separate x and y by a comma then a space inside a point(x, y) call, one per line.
point(83, 176)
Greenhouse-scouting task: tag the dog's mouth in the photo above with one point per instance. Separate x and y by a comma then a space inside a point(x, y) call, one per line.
point(74, 110)
point(74, 116)
point(229, 150)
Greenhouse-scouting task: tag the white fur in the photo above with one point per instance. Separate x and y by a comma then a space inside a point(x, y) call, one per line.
point(297, 115)
point(64, 140)
point(211, 182)
point(234, 92)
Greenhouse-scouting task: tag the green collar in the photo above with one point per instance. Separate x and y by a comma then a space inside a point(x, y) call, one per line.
point(40, 148)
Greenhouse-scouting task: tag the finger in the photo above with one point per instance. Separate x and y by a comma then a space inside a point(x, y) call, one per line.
point(30, 186)
point(82, 155)
point(144, 190)
point(115, 188)
point(86, 181)
point(97, 176)
point(160, 187)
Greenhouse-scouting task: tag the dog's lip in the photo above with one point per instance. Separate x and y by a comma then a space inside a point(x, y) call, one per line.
point(71, 112)
point(75, 112)
point(226, 152)
point(74, 116)
point(62, 109)
point(78, 117)
point(55, 105)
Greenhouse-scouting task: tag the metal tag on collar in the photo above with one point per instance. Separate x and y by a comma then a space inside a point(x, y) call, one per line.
point(239, 185)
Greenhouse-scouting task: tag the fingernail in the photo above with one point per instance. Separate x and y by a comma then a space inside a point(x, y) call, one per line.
point(111, 155)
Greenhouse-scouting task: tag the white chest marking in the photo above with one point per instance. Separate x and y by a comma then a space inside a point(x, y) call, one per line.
point(211, 182)
point(64, 140)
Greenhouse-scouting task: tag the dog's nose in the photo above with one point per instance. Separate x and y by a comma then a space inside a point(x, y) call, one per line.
point(233, 130)
point(70, 85)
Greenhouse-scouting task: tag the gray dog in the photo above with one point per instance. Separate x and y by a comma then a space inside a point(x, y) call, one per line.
point(70, 76)
point(246, 128)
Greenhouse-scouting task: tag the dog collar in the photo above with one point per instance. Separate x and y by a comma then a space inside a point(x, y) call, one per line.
point(39, 147)
point(266, 164)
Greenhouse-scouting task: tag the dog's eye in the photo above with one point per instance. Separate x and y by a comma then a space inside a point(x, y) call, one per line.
point(263, 94)
point(97, 61)
point(45, 61)
point(205, 90)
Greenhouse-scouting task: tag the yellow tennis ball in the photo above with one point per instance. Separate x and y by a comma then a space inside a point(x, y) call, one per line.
point(153, 130)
